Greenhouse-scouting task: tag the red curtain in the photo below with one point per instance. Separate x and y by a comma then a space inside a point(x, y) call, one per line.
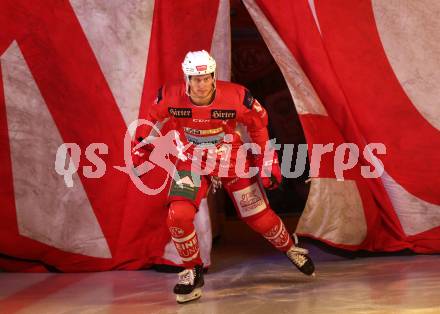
point(362, 72)
point(80, 72)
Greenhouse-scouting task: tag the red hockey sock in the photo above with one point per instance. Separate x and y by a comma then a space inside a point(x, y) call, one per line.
point(180, 222)
point(271, 227)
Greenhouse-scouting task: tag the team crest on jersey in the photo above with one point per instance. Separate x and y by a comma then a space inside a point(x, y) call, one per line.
point(223, 114)
point(180, 112)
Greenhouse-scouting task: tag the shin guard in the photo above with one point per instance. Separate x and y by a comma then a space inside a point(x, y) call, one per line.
point(180, 222)
point(272, 228)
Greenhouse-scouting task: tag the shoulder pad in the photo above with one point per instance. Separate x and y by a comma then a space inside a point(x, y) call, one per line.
point(159, 95)
point(248, 99)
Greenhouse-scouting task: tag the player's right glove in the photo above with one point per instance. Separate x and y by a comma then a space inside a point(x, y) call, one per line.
point(140, 151)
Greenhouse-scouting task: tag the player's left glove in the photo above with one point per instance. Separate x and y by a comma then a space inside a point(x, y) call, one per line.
point(269, 171)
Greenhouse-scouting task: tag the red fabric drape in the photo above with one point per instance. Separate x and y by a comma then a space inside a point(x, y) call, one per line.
point(338, 48)
point(46, 47)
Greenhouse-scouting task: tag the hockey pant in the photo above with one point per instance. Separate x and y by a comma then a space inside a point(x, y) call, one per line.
point(250, 202)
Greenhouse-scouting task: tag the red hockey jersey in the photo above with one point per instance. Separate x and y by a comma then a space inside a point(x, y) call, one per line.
point(223, 125)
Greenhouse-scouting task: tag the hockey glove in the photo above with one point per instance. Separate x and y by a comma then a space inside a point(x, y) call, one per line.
point(140, 152)
point(269, 171)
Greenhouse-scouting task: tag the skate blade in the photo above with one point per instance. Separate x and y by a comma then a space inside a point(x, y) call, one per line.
point(310, 275)
point(183, 298)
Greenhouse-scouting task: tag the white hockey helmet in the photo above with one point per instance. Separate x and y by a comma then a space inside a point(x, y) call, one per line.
point(198, 63)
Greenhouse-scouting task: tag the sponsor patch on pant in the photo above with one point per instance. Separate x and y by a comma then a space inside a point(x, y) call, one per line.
point(249, 200)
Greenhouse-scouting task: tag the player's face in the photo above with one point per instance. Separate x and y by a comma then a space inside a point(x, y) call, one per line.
point(201, 88)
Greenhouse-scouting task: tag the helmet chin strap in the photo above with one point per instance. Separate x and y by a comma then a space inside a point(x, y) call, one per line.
point(187, 88)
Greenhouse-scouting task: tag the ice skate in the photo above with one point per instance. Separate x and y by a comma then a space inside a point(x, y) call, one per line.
point(300, 258)
point(189, 286)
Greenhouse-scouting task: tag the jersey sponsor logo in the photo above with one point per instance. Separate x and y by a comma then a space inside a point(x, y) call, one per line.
point(202, 120)
point(203, 132)
point(205, 140)
point(180, 112)
point(223, 114)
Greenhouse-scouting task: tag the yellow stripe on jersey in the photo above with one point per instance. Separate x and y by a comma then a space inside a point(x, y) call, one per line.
point(203, 132)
